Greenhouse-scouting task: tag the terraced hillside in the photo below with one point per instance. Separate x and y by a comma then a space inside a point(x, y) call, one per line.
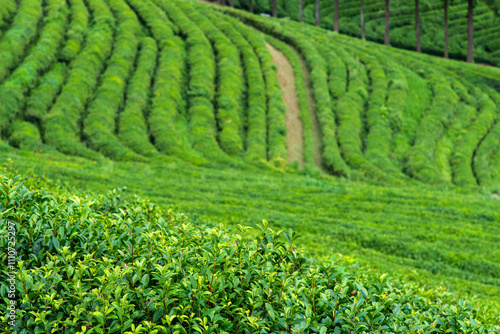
point(133, 80)
point(182, 102)
point(402, 23)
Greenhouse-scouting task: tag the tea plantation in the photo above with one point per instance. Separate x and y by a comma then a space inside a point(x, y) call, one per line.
point(387, 219)
point(402, 23)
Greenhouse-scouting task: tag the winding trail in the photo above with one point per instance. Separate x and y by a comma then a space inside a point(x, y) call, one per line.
point(294, 133)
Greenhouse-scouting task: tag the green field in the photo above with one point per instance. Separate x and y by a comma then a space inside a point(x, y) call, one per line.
point(181, 103)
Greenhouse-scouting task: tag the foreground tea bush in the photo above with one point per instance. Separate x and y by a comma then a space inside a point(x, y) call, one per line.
point(102, 265)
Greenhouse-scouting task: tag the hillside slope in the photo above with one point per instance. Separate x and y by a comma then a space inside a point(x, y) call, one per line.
point(182, 102)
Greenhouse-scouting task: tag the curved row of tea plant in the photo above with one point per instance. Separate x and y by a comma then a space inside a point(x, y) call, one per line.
point(255, 116)
point(485, 170)
point(215, 96)
point(133, 128)
point(77, 31)
point(39, 59)
point(21, 33)
point(147, 270)
point(201, 83)
point(42, 97)
point(320, 87)
point(457, 119)
point(99, 126)
point(230, 86)
point(167, 123)
point(62, 126)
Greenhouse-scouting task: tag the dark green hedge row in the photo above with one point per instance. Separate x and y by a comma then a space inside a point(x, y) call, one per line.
point(99, 126)
point(254, 118)
point(201, 83)
point(133, 128)
point(44, 95)
point(62, 125)
point(39, 59)
point(230, 84)
point(20, 34)
point(77, 32)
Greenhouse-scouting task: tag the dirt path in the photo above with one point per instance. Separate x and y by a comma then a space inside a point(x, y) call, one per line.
point(294, 130)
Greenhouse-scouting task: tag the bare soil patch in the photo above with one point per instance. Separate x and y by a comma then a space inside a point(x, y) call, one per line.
point(294, 129)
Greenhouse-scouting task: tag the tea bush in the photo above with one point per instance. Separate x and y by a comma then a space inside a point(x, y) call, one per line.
point(384, 110)
point(276, 129)
point(421, 158)
point(104, 265)
point(351, 114)
point(62, 125)
point(25, 136)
